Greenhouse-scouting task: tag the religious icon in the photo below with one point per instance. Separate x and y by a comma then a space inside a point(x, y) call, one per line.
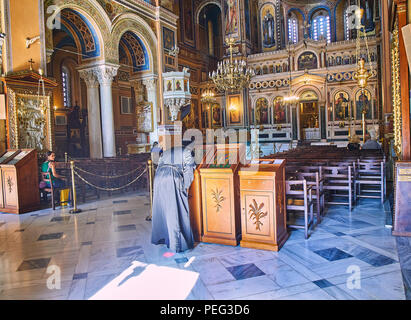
point(231, 17)
point(169, 86)
point(268, 27)
point(363, 104)
point(261, 111)
point(216, 115)
point(307, 60)
point(234, 110)
point(367, 8)
point(279, 111)
point(178, 86)
point(188, 20)
point(341, 106)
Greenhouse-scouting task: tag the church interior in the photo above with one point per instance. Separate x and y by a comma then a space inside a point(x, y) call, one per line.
point(297, 118)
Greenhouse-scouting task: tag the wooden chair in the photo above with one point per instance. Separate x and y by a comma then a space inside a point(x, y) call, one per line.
point(52, 190)
point(371, 174)
point(299, 199)
point(339, 179)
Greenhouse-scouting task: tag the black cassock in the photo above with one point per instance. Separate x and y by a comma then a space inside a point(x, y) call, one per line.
point(171, 218)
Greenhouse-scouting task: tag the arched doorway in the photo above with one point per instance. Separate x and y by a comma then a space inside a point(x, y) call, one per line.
point(210, 34)
point(309, 116)
point(77, 41)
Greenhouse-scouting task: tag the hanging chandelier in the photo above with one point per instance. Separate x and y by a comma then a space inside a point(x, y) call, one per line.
point(208, 97)
point(232, 75)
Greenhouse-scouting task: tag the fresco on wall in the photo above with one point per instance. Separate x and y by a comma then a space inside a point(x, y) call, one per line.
point(216, 115)
point(307, 60)
point(231, 17)
point(279, 111)
point(363, 104)
point(188, 21)
point(368, 16)
point(247, 19)
point(168, 39)
point(268, 26)
point(261, 112)
point(341, 106)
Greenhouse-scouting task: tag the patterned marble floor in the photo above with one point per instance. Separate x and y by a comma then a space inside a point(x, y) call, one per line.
point(105, 253)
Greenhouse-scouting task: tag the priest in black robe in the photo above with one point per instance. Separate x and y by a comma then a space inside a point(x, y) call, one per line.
point(173, 178)
point(171, 217)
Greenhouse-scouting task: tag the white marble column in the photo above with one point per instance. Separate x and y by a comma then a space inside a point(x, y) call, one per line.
point(151, 86)
point(105, 75)
point(93, 107)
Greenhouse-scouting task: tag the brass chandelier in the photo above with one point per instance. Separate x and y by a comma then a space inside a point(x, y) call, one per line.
point(232, 75)
point(208, 97)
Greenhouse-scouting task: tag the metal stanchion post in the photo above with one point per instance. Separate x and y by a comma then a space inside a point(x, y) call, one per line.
point(75, 209)
point(150, 178)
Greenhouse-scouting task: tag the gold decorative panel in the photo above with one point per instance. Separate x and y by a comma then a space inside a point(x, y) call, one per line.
point(30, 121)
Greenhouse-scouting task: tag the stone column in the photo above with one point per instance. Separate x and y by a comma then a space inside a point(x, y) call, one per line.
point(105, 75)
point(93, 107)
point(151, 86)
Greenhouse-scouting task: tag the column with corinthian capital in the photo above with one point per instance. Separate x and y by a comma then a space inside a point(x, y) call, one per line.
point(105, 75)
point(93, 110)
point(151, 86)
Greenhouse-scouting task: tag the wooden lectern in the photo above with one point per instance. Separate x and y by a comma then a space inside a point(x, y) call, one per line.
point(220, 194)
point(19, 187)
point(263, 206)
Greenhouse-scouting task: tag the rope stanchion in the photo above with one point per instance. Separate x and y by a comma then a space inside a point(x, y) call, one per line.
point(107, 177)
point(75, 209)
point(108, 189)
point(150, 181)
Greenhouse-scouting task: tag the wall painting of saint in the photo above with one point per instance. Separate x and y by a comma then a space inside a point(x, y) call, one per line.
point(280, 115)
point(268, 27)
point(216, 115)
point(262, 112)
point(341, 106)
point(231, 17)
point(363, 104)
point(188, 21)
point(234, 109)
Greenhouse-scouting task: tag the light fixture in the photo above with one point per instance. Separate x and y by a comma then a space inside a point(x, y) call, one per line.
point(232, 75)
point(362, 74)
point(291, 98)
point(207, 97)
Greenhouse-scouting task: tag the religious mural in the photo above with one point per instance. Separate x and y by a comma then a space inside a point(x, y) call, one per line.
point(367, 20)
point(168, 39)
point(262, 112)
point(216, 115)
point(188, 21)
point(231, 17)
point(341, 106)
point(307, 60)
point(363, 104)
point(234, 110)
point(268, 26)
point(247, 19)
point(279, 111)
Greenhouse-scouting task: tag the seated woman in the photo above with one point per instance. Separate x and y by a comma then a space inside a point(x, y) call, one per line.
point(49, 166)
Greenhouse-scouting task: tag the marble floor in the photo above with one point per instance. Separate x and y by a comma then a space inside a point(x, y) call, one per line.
point(105, 253)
